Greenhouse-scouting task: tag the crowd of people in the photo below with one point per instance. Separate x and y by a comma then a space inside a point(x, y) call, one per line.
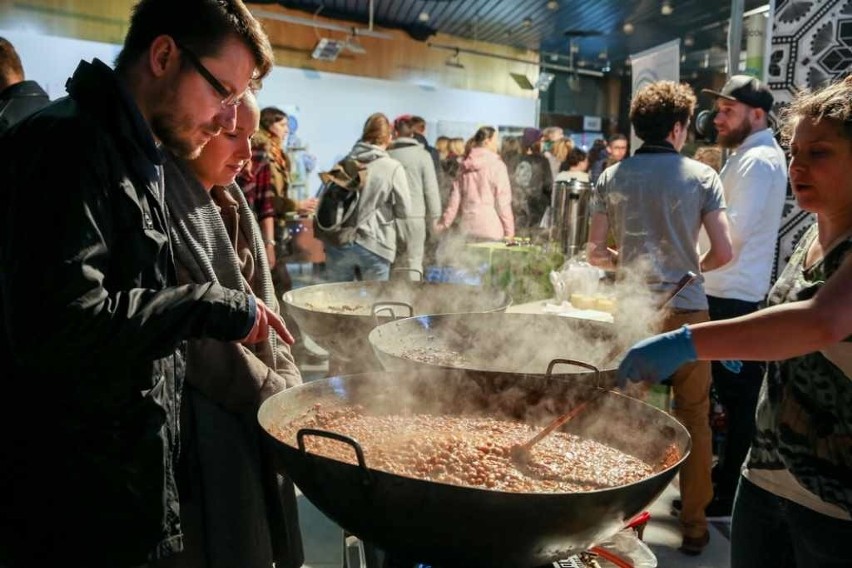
point(145, 326)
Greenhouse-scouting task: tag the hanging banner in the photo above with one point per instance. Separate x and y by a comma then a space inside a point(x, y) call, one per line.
point(809, 48)
point(660, 63)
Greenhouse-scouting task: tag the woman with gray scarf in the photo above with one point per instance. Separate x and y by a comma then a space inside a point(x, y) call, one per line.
point(236, 510)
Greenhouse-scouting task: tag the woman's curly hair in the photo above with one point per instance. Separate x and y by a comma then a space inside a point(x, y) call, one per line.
point(657, 107)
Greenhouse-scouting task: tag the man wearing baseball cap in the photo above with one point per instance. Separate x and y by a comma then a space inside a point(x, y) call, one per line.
point(755, 183)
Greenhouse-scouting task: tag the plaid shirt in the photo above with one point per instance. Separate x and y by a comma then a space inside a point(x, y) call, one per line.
point(256, 183)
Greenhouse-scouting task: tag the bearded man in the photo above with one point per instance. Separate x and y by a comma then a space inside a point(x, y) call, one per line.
point(755, 183)
point(92, 317)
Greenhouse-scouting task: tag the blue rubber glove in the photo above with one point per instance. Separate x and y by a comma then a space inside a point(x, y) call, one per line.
point(733, 365)
point(657, 358)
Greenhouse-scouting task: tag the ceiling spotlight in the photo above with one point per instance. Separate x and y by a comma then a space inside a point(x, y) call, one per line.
point(328, 49)
point(627, 28)
point(689, 40)
point(527, 22)
point(603, 55)
point(544, 80)
point(552, 5)
point(423, 16)
point(666, 8)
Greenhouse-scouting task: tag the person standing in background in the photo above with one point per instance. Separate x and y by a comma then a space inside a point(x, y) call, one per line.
point(482, 194)
point(575, 166)
point(265, 181)
point(236, 510)
point(532, 184)
point(384, 201)
point(657, 222)
point(617, 149)
point(754, 179)
point(94, 324)
point(598, 155)
point(552, 136)
point(19, 98)
point(424, 196)
point(418, 124)
point(266, 184)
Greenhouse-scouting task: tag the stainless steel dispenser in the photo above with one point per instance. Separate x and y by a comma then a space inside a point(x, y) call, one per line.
point(570, 222)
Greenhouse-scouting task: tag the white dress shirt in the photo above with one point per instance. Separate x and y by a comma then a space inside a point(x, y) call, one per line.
point(755, 184)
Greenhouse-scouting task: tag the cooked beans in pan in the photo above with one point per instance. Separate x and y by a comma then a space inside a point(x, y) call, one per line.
point(469, 451)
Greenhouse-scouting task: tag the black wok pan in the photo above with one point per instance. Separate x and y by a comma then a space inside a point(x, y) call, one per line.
point(497, 344)
point(457, 526)
point(339, 316)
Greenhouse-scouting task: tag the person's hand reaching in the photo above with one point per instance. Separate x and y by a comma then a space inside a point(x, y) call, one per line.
point(657, 358)
point(308, 205)
point(264, 319)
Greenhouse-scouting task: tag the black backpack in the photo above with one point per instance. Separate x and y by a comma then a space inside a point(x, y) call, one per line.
point(336, 216)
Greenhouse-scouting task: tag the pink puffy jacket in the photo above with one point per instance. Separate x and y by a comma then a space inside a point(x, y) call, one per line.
point(483, 194)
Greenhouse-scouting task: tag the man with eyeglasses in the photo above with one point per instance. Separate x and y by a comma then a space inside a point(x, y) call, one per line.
point(92, 320)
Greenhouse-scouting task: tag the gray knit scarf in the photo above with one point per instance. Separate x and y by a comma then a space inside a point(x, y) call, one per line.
point(200, 239)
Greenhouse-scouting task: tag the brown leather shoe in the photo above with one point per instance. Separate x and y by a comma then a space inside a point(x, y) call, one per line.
point(693, 546)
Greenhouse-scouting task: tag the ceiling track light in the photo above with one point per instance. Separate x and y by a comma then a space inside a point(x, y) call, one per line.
point(552, 5)
point(666, 8)
point(628, 28)
point(542, 64)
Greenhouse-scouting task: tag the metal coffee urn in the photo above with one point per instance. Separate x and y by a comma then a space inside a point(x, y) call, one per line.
point(570, 222)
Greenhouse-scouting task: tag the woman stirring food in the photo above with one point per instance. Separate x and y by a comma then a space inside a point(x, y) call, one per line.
point(794, 502)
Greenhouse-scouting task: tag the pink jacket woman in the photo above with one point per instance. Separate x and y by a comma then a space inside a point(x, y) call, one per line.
point(482, 192)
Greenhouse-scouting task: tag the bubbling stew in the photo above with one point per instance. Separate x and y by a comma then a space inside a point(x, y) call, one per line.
point(469, 451)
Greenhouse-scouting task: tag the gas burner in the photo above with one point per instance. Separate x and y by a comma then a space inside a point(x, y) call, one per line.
point(362, 555)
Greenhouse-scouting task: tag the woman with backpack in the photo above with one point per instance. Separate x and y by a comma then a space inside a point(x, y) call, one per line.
point(370, 248)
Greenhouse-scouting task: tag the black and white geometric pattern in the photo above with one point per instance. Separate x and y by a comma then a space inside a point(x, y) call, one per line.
point(811, 47)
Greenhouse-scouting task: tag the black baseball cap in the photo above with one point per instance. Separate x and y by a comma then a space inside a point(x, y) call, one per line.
point(747, 90)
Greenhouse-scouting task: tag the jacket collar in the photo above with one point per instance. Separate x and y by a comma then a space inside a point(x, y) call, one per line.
point(404, 142)
point(23, 89)
point(657, 147)
point(98, 89)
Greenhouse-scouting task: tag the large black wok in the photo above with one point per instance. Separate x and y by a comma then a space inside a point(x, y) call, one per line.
point(497, 344)
point(339, 316)
point(449, 525)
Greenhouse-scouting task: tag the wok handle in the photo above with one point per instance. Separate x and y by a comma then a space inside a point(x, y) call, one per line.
point(359, 453)
point(380, 307)
point(583, 364)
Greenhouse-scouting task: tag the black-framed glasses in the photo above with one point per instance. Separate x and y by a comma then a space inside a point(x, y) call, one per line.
point(229, 99)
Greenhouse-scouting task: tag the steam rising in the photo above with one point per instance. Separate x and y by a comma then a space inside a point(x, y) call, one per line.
point(497, 348)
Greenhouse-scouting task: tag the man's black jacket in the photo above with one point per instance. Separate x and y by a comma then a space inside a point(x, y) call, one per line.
point(92, 322)
point(20, 100)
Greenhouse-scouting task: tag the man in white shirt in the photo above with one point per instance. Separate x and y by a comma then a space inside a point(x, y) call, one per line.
point(755, 183)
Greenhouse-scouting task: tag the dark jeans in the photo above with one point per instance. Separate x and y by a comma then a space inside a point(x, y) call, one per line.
point(767, 530)
point(738, 393)
point(345, 263)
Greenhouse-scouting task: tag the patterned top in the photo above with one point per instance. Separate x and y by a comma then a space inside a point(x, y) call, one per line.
point(804, 415)
point(266, 181)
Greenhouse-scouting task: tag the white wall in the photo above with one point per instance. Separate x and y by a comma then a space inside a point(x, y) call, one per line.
point(330, 108)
